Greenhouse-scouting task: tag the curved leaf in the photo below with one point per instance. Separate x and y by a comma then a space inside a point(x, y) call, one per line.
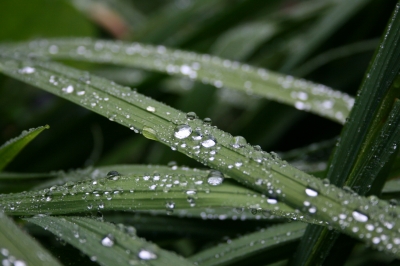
point(301, 94)
point(106, 243)
point(11, 148)
point(244, 248)
point(264, 172)
point(17, 248)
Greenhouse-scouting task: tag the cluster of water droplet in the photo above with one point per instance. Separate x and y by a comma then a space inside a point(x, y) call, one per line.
point(206, 68)
point(9, 260)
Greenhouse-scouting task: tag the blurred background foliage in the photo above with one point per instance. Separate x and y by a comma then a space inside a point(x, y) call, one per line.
point(329, 42)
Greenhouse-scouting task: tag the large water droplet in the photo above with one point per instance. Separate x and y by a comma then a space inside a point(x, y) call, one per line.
point(311, 192)
point(151, 109)
point(108, 240)
point(149, 133)
point(360, 217)
point(207, 121)
point(272, 201)
point(182, 131)
point(113, 175)
point(238, 142)
point(209, 141)
point(197, 135)
point(146, 255)
point(191, 116)
point(215, 178)
point(26, 70)
point(69, 89)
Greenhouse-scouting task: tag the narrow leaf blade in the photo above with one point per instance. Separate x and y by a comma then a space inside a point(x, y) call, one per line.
point(11, 148)
point(106, 243)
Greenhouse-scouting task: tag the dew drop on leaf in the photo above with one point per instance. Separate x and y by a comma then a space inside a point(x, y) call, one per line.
point(215, 178)
point(311, 192)
point(69, 89)
point(191, 116)
point(27, 70)
point(272, 201)
point(207, 121)
point(113, 175)
point(149, 133)
point(108, 240)
point(209, 141)
point(238, 142)
point(359, 216)
point(190, 192)
point(170, 206)
point(182, 131)
point(197, 135)
point(146, 255)
point(151, 109)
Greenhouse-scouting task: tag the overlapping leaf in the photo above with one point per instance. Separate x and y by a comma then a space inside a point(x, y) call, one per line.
point(351, 214)
point(301, 94)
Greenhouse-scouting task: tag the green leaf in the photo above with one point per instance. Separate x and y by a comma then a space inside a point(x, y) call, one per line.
point(368, 142)
point(17, 248)
point(106, 243)
point(179, 192)
point(301, 94)
point(11, 148)
point(249, 165)
point(265, 242)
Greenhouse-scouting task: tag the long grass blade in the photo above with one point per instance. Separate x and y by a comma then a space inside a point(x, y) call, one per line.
point(299, 93)
point(106, 243)
point(17, 248)
point(11, 148)
point(233, 156)
point(266, 242)
point(364, 135)
point(178, 194)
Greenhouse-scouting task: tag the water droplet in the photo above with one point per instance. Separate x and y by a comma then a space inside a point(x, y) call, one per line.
point(69, 89)
point(218, 84)
point(191, 116)
point(26, 70)
point(215, 178)
point(197, 135)
point(209, 141)
point(182, 131)
point(149, 133)
point(113, 175)
point(53, 49)
point(312, 209)
point(151, 109)
point(311, 192)
point(170, 206)
point(360, 217)
point(190, 192)
point(238, 142)
point(108, 240)
point(146, 255)
point(207, 121)
point(272, 201)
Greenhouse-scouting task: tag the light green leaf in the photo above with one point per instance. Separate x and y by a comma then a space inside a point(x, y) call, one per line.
point(17, 248)
point(265, 242)
point(106, 243)
point(219, 72)
point(11, 148)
